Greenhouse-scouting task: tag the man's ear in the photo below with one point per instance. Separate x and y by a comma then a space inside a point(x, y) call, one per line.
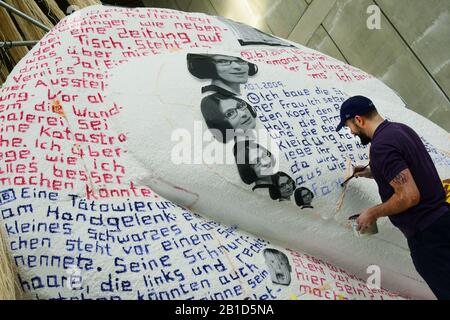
point(359, 121)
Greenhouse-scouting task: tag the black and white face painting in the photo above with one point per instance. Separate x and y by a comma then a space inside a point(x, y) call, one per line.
point(279, 267)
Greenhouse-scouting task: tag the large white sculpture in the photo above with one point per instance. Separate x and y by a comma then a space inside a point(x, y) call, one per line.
point(117, 182)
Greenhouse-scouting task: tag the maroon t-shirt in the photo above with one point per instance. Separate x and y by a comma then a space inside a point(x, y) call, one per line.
point(394, 148)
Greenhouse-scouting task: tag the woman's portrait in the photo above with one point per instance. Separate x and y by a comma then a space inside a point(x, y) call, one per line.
point(226, 72)
point(303, 198)
point(282, 188)
point(227, 116)
point(255, 163)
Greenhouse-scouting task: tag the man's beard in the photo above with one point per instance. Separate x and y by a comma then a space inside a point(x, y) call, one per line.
point(365, 140)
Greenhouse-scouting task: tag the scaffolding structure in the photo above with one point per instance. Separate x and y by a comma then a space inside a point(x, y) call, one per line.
point(24, 22)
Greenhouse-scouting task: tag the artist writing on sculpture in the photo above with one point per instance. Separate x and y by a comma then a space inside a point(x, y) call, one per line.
point(410, 188)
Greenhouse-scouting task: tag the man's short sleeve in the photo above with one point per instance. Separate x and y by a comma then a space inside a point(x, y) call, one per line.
point(389, 160)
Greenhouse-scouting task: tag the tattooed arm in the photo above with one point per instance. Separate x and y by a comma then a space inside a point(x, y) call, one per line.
point(406, 196)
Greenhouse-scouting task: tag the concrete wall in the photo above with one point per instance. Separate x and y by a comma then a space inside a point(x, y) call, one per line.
point(410, 52)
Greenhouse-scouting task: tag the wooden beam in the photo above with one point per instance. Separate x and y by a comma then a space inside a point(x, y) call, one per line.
point(30, 8)
point(9, 31)
point(54, 9)
point(83, 3)
point(3, 71)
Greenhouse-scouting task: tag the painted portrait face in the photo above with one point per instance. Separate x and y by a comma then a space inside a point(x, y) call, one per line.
point(237, 114)
point(279, 267)
point(306, 196)
point(231, 69)
point(285, 187)
point(260, 161)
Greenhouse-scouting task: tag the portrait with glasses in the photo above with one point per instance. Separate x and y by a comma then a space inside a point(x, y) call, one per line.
point(255, 163)
point(303, 198)
point(282, 188)
point(227, 116)
point(227, 73)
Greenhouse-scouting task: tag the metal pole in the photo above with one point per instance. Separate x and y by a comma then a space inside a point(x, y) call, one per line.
point(23, 15)
point(10, 44)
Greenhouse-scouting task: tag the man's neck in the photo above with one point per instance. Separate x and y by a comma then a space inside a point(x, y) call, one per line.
point(375, 123)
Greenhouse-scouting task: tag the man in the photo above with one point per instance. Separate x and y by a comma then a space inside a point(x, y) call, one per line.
point(411, 191)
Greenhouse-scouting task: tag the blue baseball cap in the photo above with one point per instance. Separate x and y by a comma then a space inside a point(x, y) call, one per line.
point(354, 106)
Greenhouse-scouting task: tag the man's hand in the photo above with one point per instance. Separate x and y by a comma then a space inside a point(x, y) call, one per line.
point(406, 195)
point(360, 171)
point(365, 219)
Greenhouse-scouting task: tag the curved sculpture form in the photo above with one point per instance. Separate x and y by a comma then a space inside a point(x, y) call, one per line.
point(158, 154)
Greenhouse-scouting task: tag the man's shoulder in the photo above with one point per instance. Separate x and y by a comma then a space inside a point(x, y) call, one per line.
point(400, 126)
point(389, 138)
point(383, 146)
point(394, 133)
point(395, 137)
point(394, 127)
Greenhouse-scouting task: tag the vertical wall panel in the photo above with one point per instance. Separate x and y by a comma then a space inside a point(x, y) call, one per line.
point(384, 54)
point(322, 42)
point(281, 16)
point(169, 4)
point(425, 26)
point(184, 4)
point(311, 20)
point(202, 6)
point(411, 52)
point(241, 11)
